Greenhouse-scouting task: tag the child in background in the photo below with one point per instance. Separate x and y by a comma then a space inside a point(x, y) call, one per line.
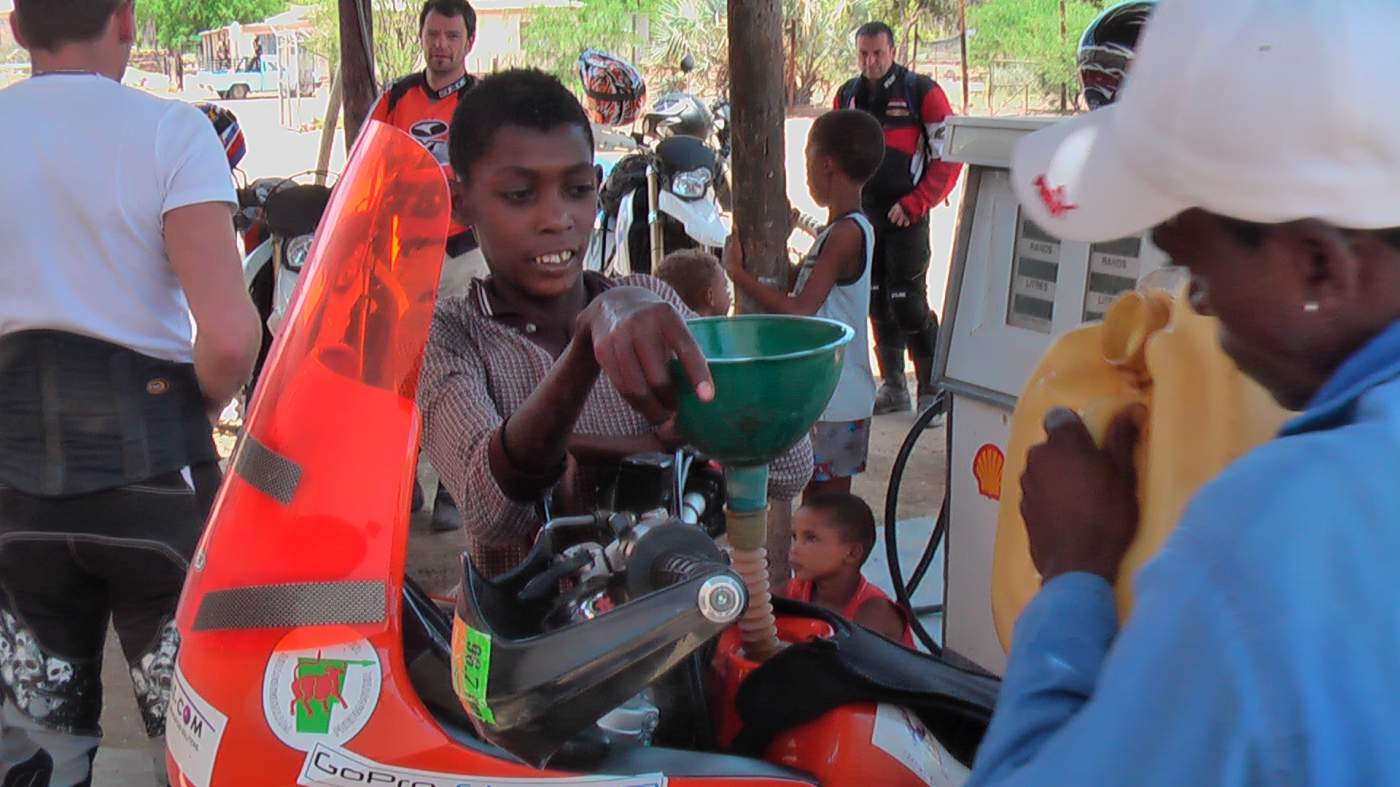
point(844, 149)
point(832, 535)
point(697, 277)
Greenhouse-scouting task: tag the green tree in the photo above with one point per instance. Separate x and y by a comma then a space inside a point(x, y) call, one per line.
point(324, 39)
point(699, 28)
point(820, 29)
point(932, 17)
point(554, 37)
point(1028, 31)
point(179, 22)
point(822, 57)
point(397, 48)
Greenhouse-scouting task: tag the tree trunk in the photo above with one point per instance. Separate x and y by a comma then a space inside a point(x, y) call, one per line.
point(991, 73)
point(356, 65)
point(962, 47)
point(177, 68)
point(792, 63)
point(914, 44)
point(756, 99)
point(1064, 39)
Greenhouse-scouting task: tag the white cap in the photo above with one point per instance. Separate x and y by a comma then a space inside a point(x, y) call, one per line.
point(1261, 110)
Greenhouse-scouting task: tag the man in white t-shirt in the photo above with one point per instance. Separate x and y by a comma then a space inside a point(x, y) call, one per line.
point(124, 324)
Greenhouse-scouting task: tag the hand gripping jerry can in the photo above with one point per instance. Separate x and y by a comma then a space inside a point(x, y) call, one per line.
point(1203, 413)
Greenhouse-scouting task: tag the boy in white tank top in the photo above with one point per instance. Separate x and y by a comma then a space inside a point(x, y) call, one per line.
point(844, 149)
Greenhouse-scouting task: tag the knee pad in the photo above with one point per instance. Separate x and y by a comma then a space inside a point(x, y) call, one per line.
point(55, 693)
point(151, 676)
point(909, 305)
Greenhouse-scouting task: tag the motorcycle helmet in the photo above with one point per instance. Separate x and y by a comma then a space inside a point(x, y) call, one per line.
point(1106, 50)
point(614, 90)
point(678, 113)
point(226, 126)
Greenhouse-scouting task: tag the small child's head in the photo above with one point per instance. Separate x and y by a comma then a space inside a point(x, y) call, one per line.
point(845, 146)
point(522, 151)
point(699, 279)
point(832, 535)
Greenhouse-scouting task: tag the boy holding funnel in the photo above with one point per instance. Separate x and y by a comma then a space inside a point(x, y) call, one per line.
point(542, 376)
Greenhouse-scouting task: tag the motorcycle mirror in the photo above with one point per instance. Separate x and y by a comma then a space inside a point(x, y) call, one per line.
point(687, 64)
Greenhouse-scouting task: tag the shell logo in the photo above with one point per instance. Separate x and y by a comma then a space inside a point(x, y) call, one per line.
point(987, 465)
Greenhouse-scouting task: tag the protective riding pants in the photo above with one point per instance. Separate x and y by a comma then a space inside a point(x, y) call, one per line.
point(68, 566)
point(899, 312)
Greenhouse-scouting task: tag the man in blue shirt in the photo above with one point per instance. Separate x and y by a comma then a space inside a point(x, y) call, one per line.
point(1264, 647)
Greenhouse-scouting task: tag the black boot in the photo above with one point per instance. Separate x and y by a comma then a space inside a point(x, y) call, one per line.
point(893, 395)
point(446, 516)
point(923, 372)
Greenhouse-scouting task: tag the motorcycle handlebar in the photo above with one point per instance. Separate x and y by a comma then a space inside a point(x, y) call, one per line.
point(673, 568)
point(721, 598)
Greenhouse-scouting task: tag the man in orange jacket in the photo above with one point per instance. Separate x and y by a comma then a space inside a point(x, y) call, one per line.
point(422, 104)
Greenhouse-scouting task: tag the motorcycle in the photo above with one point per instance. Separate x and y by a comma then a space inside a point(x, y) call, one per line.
point(681, 112)
point(308, 657)
point(654, 202)
point(669, 196)
point(277, 219)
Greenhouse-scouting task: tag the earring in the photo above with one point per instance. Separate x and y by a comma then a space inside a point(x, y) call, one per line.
point(1311, 307)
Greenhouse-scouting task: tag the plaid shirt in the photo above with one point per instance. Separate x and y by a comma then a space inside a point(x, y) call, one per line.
point(478, 368)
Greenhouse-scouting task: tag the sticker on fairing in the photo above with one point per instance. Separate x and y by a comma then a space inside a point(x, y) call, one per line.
point(321, 685)
point(901, 735)
point(332, 766)
point(193, 730)
point(471, 649)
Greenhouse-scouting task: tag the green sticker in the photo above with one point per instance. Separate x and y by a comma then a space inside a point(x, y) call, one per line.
point(475, 649)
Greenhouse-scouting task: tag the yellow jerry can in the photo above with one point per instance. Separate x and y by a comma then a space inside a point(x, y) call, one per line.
point(1203, 413)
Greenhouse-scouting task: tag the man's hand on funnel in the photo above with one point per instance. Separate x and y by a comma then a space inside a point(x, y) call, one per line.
point(1079, 501)
point(635, 334)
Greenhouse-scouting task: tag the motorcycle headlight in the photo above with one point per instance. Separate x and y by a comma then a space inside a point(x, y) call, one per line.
point(691, 184)
point(295, 254)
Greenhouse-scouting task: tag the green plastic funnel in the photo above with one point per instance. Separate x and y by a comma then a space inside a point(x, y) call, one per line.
point(773, 378)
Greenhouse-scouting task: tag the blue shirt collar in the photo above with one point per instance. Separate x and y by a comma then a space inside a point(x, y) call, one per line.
point(1377, 362)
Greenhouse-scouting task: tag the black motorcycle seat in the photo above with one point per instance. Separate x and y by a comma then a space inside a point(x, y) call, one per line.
point(808, 679)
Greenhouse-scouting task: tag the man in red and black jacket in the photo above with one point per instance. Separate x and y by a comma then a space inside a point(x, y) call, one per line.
point(422, 104)
point(912, 179)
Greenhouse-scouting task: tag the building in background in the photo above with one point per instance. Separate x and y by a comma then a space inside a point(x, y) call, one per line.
point(498, 23)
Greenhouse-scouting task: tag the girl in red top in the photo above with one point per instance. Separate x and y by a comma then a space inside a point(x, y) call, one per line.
point(832, 535)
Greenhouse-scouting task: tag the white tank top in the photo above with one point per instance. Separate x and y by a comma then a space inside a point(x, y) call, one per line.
point(849, 303)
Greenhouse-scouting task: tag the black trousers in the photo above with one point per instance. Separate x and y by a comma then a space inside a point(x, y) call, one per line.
point(68, 566)
point(900, 317)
